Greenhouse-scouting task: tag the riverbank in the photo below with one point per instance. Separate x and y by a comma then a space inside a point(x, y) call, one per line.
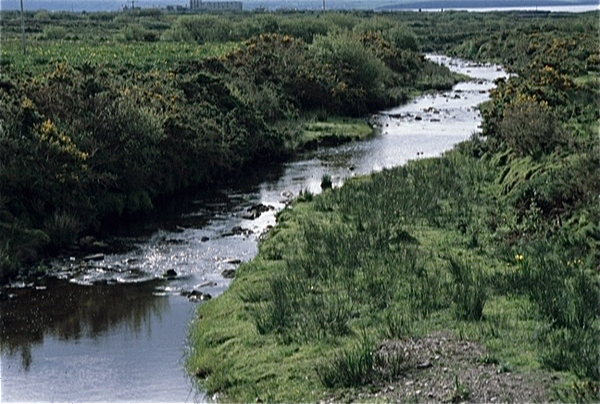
point(89, 140)
point(378, 260)
point(474, 264)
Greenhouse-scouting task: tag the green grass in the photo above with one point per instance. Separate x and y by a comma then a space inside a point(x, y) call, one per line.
point(333, 131)
point(405, 252)
point(588, 78)
point(112, 54)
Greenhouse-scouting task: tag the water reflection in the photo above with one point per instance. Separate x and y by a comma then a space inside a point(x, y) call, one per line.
point(70, 312)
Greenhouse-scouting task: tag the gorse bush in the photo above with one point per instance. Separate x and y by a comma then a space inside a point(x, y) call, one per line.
point(530, 128)
point(356, 67)
point(125, 140)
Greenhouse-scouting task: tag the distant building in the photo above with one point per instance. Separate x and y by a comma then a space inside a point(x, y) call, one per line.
point(198, 5)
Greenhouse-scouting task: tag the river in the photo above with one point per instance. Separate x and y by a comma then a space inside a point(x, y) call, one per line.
point(115, 329)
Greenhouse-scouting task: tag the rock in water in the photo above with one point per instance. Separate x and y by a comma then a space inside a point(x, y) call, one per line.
point(94, 257)
point(228, 273)
point(170, 274)
point(256, 210)
point(196, 296)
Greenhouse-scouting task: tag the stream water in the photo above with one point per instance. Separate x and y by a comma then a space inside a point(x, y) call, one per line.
point(114, 329)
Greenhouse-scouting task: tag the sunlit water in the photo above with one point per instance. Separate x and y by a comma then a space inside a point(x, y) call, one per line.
point(114, 330)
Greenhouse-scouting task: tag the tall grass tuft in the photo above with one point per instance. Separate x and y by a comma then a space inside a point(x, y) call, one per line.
point(362, 364)
point(469, 292)
point(326, 182)
point(62, 229)
point(396, 325)
point(350, 367)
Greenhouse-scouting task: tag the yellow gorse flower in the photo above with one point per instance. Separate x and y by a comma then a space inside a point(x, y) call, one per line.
point(48, 133)
point(27, 103)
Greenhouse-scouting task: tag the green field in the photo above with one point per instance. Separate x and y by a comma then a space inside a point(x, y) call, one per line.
point(113, 55)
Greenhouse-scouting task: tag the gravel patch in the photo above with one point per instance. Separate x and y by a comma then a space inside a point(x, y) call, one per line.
point(441, 368)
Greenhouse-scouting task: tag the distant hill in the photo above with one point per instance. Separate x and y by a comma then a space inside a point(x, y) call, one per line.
point(462, 4)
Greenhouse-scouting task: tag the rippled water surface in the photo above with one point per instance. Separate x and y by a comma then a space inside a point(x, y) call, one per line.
point(113, 328)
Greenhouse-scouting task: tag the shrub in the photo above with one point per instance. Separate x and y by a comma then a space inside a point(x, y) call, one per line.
point(303, 28)
point(201, 29)
point(136, 33)
point(52, 32)
point(42, 16)
point(402, 38)
point(530, 128)
point(353, 61)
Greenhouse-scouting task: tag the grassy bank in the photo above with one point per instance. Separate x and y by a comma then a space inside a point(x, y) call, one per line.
point(332, 132)
point(494, 244)
point(394, 256)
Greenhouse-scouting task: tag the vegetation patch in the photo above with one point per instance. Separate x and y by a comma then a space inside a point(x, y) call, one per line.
point(334, 132)
point(489, 253)
point(481, 255)
point(110, 111)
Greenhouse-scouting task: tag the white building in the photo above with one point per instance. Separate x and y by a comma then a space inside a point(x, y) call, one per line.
point(215, 5)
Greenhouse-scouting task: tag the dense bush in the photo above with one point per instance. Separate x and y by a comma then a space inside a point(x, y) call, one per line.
point(361, 76)
point(200, 28)
point(110, 147)
point(529, 128)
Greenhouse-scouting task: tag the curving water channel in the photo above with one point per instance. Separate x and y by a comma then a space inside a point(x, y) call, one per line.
point(113, 328)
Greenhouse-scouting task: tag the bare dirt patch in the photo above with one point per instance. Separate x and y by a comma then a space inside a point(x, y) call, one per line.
point(442, 368)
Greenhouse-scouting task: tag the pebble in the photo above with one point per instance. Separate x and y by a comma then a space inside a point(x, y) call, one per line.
point(424, 365)
point(94, 257)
